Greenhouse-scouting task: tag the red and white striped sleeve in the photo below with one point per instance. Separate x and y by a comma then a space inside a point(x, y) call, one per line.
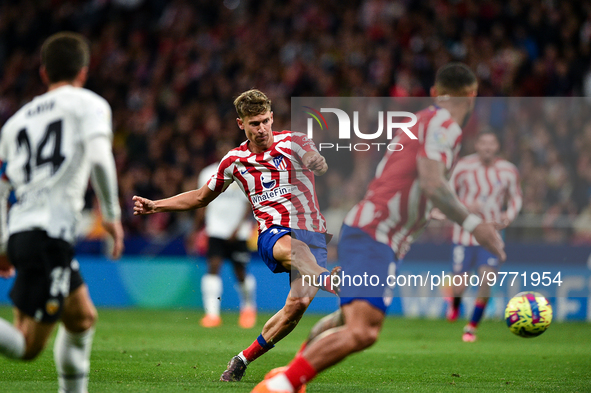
point(441, 137)
point(515, 199)
point(301, 144)
point(224, 175)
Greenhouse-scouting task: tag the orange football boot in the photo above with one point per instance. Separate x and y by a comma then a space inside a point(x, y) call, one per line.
point(211, 321)
point(248, 318)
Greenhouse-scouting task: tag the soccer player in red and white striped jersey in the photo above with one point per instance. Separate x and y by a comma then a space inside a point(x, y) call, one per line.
point(379, 229)
point(275, 170)
point(485, 184)
point(395, 210)
point(276, 182)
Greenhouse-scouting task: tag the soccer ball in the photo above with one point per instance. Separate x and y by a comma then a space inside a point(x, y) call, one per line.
point(528, 314)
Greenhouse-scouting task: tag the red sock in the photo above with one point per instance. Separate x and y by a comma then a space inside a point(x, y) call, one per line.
point(304, 345)
point(299, 372)
point(256, 349)
point(479, 307)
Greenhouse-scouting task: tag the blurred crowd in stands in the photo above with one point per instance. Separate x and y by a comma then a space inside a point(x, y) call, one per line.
point(170, 70)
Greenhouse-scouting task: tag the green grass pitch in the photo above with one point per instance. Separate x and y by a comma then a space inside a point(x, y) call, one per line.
point(167, 351)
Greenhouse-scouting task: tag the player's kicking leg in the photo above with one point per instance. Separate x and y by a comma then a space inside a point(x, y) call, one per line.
point(283, 254)
point(275, 329)
point(363, 322)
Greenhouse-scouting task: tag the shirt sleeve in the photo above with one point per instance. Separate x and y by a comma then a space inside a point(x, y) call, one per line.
point(439, 143)
point(204, 177)
point(223, 177)
point(515, 200)
point(96, 119)
point(104, 177)
point(301, 144)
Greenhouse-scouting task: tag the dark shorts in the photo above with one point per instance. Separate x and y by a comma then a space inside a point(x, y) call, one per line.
point(366, 266)
point(235, 251)
point(46, 273)
point(468, 258)
point(315, 241)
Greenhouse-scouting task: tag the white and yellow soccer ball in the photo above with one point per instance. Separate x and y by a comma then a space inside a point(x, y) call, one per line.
point(528, 314)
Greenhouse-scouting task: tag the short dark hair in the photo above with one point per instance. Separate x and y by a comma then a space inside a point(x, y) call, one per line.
point(63, 55)
point(252, 103)
point(454, 78)
point(489, 131)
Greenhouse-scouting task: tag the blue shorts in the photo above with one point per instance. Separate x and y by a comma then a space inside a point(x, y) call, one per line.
point(468, 258)
point(361, 259)
point(315, 241)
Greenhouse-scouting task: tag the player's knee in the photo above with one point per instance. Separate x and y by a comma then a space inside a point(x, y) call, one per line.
point(88, 319)
point(298, 252)
point(296, 307)
point(214, 266)
point(84, 320)
point(364, 337)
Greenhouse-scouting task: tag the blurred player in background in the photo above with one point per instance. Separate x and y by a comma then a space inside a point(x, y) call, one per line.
point(51, 146)
point(378, 230)
point(228, 227)
point(275, 170)
point(484, 183)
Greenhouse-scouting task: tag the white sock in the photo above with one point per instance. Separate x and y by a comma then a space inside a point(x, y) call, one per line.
point(12, 341)
point(71, 352)
point(211, 291)
point(247, 292)
point(280, 382)
point(241, 356)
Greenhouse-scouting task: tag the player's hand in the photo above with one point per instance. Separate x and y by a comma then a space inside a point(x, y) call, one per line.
point(6, 268)
point(143, 206)
point(486, 234)
point(115, 230)
point(315, 162)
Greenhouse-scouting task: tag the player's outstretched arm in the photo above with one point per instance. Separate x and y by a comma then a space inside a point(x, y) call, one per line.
point(315, 162)
point(433, 183)
point(189, 200)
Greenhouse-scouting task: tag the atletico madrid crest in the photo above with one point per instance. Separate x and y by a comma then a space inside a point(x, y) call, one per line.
point(280, 163)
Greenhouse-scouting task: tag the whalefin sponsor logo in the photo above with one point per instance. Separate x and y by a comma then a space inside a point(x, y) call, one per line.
point(271, 194)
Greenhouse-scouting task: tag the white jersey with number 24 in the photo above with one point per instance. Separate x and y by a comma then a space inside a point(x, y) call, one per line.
point(45, 145)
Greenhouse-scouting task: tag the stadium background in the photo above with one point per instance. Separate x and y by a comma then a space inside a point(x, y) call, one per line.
point(170, 70)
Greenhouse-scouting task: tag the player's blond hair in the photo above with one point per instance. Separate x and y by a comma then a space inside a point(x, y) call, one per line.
point(252, 103)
